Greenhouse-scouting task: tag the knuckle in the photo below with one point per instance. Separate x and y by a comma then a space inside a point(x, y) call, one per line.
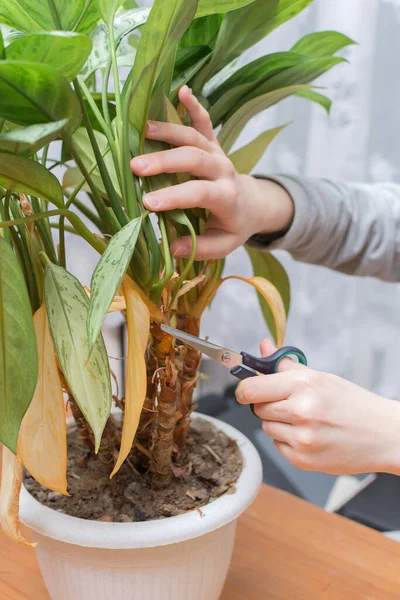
point(195, 137)
point(303, 410)
point(201, 190)
point(228, 189)
point(306, 439)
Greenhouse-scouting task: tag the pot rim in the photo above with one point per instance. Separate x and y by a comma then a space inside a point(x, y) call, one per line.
point(148, 534)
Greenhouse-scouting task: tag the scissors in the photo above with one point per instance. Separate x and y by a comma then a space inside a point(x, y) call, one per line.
point(241, 365)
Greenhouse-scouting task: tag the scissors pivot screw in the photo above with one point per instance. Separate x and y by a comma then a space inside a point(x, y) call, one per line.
point(226, 357)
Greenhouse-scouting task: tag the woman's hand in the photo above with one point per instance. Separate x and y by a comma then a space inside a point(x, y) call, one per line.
point(320, 422)
point(240, 206)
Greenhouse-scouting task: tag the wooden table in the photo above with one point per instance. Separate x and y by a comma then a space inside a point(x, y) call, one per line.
point(286, 549)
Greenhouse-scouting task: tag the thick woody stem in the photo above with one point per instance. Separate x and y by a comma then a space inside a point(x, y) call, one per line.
point(161, 456)
point(189, 364)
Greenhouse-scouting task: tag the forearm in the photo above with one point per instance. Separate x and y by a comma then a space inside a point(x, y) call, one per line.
point(351, 228)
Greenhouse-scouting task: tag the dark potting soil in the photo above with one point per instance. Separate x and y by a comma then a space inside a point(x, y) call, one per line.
point(208, 467)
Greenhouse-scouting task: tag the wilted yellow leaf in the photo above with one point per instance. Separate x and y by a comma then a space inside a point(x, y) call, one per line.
point(138, 320)
point(119, 302)
point(274, 300)
point(189, 285)
point(42, 442)
point(10, 487)
point(270, 294)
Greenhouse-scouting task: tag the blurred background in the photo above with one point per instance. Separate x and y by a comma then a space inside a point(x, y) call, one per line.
point(345, 325)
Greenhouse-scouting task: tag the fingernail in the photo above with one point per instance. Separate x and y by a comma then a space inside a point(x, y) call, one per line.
point(181, 252)
point(142, 163)
point(152, 126)
point(151, 201)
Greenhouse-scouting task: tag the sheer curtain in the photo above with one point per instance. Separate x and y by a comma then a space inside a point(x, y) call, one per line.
point(348, 326)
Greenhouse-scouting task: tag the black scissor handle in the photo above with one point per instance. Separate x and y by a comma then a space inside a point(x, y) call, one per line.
point(265, 366)
point(269, 364)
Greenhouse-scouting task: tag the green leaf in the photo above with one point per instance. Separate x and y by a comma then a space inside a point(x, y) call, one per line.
point(253, 72)
point(210, 7)
point(108, 8)
point(165, 26)
point(18, 354)
point(26, 176)
point(87, 374)
point(32, 17)
point(188, 62)
point(32, 93)
point(267, 266)
point(235, 125)
point(65, 51)
point(202, 32)
point(124, 24)
point(2, 47)
point(322, 43)
point(82, 142)
point(325, 102)
point(246, 158)
point(304, 72)
point(28, 140)
point(108, 275)
point(92, 117)
point(246, 26)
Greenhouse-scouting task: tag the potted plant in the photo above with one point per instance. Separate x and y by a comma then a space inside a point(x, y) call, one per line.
point(145, 529)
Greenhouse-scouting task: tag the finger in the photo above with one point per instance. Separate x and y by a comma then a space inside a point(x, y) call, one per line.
point(281, 432)
point(286, 450)
point(192, 194)
point(197, 113)
point(269, 388)
point(279, 411)
point(177, 135)
point(287, 364)
point(190, 160)
point(213, 245)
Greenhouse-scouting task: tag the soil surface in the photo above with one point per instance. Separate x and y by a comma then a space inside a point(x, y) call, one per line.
point(208, 467)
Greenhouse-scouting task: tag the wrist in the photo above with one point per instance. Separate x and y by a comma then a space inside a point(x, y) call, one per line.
point(272, 206)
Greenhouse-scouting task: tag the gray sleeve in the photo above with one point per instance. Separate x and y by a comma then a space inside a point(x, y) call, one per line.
point(353, 228)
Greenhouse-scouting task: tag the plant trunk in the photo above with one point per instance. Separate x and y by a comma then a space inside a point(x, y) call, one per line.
point(189, 365)
point(161, 456)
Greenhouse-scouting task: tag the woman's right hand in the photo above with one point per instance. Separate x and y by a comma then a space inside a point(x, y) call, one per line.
point(239, 206)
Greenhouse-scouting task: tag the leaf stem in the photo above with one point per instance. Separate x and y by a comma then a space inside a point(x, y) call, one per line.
point(108, 216)
point(54, 14)
point(79, 225)
point(111, 193)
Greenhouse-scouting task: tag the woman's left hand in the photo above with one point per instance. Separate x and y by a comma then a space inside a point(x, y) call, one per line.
point(320, 422)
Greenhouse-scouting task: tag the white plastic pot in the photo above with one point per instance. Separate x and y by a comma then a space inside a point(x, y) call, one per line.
point(176, 558)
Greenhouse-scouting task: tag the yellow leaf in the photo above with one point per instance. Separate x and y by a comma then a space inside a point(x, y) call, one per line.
point(42, 442)
point(138, 319)
point(189, 285)
point(172, 114)
point(119, 302)
point(10, 487)
point(268, 291)
point(274, 300)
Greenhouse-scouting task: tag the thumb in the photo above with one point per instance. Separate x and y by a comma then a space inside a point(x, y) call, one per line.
point(287, 364)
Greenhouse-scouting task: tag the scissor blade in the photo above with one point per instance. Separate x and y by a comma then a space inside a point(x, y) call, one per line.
point(225, 357)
